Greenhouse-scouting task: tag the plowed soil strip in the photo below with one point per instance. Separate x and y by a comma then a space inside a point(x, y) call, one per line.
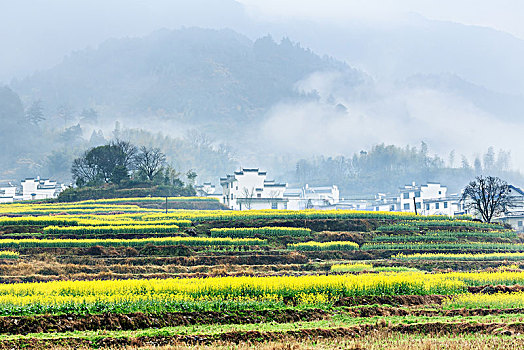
point(135, 321)
point(14, 325)
point(258, 336)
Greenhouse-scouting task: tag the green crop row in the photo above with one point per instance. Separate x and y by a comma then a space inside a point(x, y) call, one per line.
point(80, 230)
point(211, 215)
point(434, 236)
point(316, 246)
point(164, 241)
point(263, 231)
point(444, 246)
point(37, 221)
point(416, 225)
point(462, 256)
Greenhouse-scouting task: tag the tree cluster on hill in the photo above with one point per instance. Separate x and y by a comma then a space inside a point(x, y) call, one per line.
point(119, 161)
point(120, 168)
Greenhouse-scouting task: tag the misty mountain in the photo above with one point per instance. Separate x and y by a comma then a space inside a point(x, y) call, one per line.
point(504, 106)
point(188, 75)
point(400, 48)
point(261, 103)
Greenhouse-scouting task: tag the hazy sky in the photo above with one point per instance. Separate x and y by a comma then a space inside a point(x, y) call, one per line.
point(504, 15)
point(36, 34)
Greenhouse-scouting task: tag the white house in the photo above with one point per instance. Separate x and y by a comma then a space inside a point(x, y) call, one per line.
point(209, 190)
point(441, 206)
point(249, 188)
point(413, 196)
point(7, 193)
point(40, 188)
point(515, 219)
point(515, 214)
point(322, 196)
point(311, 197)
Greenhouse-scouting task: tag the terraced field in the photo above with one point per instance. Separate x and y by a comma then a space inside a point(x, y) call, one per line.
point(124, 273)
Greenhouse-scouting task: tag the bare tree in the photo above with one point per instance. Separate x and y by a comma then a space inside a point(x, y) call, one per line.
point(248, 195)
point(128, 150)
point(83, 172)
point(149, 161)
point(488, 197)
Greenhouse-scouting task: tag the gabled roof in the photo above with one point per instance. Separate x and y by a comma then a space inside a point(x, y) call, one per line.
point(516, 189)
point(274, 185)
point(319, 189)
point(292, 192)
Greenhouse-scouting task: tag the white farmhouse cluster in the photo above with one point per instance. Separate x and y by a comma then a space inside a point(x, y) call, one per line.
point(30, 189)
point(250, 189)
point(429, 199)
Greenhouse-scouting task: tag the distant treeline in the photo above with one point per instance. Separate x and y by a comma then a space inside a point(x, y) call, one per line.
point(386, 167)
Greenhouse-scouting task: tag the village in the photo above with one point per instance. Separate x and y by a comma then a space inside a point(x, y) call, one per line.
point(250, 189)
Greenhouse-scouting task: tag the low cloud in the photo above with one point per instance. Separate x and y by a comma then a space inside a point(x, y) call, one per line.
point(339, 124)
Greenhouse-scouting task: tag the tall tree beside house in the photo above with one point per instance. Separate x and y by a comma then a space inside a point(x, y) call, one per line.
point(487, 197)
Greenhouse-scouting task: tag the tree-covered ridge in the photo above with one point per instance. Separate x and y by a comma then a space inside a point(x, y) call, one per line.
point(189, 74)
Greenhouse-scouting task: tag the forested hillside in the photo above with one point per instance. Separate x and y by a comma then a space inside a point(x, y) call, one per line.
point(191, 75)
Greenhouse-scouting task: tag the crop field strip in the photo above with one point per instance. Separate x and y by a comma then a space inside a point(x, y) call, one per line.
point(248, 276)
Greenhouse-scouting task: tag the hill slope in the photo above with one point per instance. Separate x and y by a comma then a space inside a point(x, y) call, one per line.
point(195, 75)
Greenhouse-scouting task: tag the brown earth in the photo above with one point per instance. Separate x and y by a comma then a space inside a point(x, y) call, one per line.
point(432, 328)
point(316, 225)
point(394, 300)
point(489, 289)
point(134, 321)
point(393, 311)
